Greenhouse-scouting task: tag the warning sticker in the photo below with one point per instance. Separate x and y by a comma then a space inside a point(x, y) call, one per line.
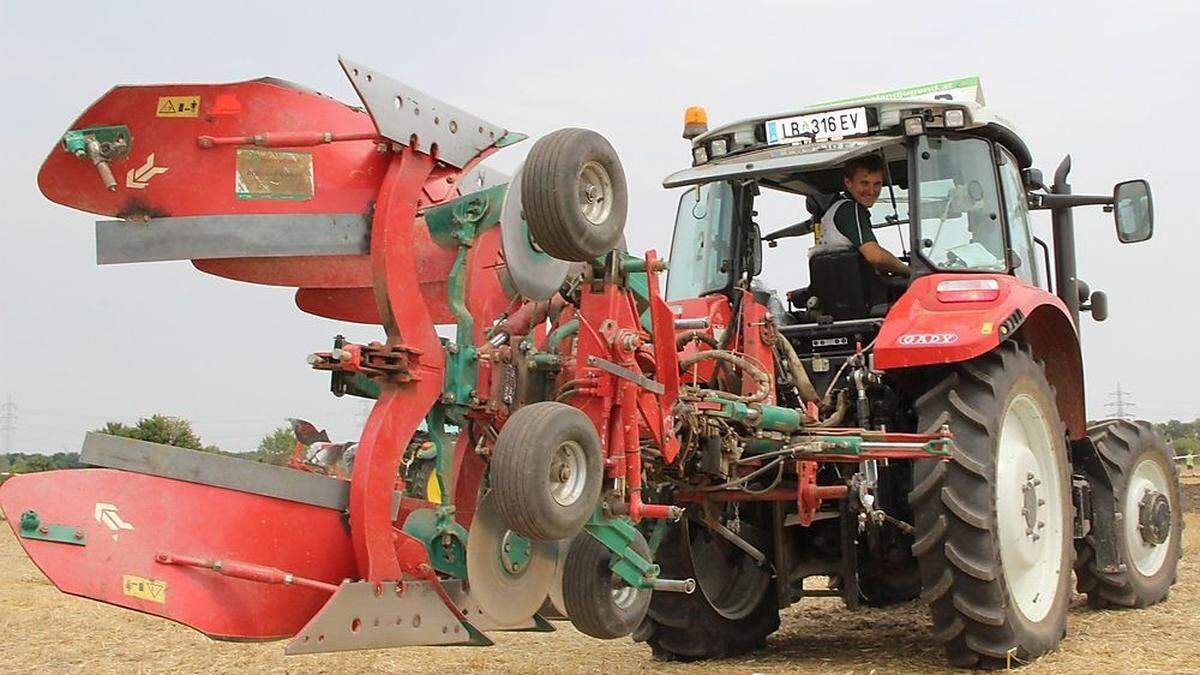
point(274, 174)
point(178, 106)
point(146, 589)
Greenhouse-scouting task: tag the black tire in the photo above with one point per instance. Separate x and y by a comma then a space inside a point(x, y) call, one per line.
point(528, 450)
point(416, 477)
point(589, 590)
point(685, 627)
point(974, 610)
point(551, 188)
point(1122, 446)
point(901, 585)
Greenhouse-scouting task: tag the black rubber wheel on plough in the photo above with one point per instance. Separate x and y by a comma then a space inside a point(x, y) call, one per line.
point(994, 523)
point(574, 195)
point(686, 627)
point(546, 471)
point(598, 603)
point(1147, 496)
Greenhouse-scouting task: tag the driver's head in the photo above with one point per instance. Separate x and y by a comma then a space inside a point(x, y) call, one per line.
point(863, 178)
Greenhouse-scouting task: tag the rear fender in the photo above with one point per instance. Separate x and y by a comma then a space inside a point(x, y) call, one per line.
point(922, 331)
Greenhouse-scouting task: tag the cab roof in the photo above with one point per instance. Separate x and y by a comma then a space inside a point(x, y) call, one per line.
point(748, 153)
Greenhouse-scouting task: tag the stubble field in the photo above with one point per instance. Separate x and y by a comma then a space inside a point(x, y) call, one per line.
point(42, 630)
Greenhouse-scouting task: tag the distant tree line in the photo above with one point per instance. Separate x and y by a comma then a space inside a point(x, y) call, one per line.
point(274, 448)
point(1184, 437)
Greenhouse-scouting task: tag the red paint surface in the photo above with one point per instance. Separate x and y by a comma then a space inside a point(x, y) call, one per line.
point(918, 312)
point(184, 519)
point(346, 175)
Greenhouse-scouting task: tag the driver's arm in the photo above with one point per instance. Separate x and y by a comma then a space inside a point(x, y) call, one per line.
point(882, 259)
point(854, 222)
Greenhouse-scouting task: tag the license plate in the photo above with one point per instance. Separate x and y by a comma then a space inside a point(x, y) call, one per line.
point(818, 126)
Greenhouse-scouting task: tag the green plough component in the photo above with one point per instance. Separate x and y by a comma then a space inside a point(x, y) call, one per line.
point(117, 137)
point(447, 545)
point(616, 534)
point(32, 527)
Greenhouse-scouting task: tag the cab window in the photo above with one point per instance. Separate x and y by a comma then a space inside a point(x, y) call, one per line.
point(702, 247)
point(1016, 208)
point(959, 207)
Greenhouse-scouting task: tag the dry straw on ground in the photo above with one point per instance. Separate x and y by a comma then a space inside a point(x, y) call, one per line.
point(42, 630)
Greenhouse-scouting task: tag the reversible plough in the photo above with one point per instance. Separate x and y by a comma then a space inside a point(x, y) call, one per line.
point(532, 460)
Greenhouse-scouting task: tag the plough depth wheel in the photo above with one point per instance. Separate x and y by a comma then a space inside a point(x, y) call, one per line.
point(546, 471)
point(573, 190)
point(597, 601)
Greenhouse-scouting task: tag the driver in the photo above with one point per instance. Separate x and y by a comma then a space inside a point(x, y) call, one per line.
point(847, 222)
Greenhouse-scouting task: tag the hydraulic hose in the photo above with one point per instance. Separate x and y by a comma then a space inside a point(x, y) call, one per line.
point(804, 385)
point(761, 378)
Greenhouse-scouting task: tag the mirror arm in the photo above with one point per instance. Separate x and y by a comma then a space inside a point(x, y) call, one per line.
point(799, 229)
point(1067, 201)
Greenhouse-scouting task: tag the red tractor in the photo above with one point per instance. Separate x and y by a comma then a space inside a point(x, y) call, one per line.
point(573, 442)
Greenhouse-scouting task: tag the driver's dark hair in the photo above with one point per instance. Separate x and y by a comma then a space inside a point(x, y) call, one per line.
point(868, 163)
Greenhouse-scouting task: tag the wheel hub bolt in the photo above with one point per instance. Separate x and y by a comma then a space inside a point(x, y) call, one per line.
point(1030, 504)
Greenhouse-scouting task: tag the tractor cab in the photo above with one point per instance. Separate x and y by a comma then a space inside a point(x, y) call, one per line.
point(956, 199)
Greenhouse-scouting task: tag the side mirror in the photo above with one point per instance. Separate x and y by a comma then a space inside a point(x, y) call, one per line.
point(1033, 178)
point(1098, 306)
point(1133, 209)
point(754, 259)
point(1082, 288)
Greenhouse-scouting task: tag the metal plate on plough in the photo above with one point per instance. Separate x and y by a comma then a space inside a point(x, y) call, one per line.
point(362, 615)
point(508, 576)
point(129, 519)
point(401, 112)
point(232, 236)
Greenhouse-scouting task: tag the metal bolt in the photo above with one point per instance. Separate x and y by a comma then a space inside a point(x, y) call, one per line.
point(79, 533)
point(44, 530)
point(1029, 476)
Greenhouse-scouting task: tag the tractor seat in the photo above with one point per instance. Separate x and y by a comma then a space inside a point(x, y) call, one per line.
point(842, 285)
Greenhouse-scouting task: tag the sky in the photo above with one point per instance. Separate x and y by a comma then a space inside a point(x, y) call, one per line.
point(1110, 83)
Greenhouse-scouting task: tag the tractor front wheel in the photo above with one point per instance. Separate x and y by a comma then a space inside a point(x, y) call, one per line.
point(1147, 498)
point(994, 522)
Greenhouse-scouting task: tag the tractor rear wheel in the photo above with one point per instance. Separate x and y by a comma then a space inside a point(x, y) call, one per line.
point(596, 600)
point(1147, 497)
point(994, 522)
point(697, 625)
point(546, 471)
point(574, 195)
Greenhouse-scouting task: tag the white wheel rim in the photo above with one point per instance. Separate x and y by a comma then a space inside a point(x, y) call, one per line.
point(1029, 508)
point(568, 473)
point(624, 596)
point(595, 192)
point(1147, 477)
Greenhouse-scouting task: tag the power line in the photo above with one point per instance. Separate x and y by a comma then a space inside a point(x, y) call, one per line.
point(8, 417)
point(1121, 406)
